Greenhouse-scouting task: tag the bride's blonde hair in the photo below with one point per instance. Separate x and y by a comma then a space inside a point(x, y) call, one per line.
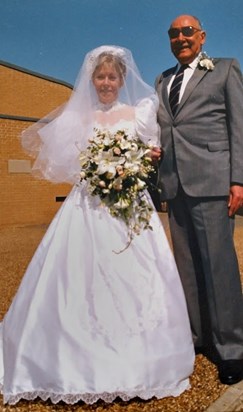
point(115, 60)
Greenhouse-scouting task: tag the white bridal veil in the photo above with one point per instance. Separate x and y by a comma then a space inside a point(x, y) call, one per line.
point(56, 140)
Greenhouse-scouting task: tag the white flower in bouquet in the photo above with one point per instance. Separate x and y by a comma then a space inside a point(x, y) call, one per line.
point(116, 167)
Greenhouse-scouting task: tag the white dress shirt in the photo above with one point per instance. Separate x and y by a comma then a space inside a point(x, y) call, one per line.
point(188, 72)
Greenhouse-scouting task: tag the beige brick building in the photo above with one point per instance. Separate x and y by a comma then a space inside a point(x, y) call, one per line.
point(25, 97)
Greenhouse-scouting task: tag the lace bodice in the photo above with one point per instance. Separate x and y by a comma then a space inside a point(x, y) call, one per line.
point(140, 120)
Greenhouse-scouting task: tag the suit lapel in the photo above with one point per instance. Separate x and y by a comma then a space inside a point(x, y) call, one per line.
point(193, 82)
point(165, 96)
point(164, 88)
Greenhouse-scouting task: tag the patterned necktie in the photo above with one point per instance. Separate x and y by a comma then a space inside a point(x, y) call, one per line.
point(175, 88)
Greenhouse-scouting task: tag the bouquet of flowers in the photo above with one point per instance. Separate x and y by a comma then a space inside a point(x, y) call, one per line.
point(116, 167)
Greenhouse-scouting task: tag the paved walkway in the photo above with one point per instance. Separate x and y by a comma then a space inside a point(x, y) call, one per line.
point(230, 401)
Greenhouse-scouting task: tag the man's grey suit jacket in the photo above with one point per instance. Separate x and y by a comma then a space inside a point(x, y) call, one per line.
point(203, 143)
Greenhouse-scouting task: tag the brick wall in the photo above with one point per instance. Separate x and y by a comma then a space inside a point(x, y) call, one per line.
point(25, 200)
point(25, 93)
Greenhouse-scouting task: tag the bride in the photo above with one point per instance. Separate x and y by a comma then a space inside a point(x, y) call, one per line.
point(93, 319)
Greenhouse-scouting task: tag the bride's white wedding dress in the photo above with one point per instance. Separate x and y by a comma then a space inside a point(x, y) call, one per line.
point(88, 323)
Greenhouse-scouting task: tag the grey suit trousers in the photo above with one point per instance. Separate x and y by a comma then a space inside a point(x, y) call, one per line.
point(205, 254)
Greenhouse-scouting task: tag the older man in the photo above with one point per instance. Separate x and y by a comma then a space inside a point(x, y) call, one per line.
point(201, 177)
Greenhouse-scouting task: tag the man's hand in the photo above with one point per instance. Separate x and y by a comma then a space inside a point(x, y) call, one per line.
point(235, 199)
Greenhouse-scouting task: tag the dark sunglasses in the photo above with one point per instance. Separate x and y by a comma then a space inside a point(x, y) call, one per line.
point(187, 31)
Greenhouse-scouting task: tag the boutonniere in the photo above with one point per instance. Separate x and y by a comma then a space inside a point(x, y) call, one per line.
point(205, 62)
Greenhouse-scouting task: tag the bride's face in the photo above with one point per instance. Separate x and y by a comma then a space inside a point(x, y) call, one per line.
point(107, 82)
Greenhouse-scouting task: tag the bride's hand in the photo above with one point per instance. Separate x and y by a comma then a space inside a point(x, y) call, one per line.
point(155, 154)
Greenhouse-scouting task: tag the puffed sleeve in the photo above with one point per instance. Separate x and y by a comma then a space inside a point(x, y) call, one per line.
point(147, 127)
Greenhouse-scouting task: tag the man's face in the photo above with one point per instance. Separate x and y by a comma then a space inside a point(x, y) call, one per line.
point(187, 46)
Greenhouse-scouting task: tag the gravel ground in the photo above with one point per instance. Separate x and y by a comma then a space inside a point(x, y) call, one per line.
point(17, 245)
